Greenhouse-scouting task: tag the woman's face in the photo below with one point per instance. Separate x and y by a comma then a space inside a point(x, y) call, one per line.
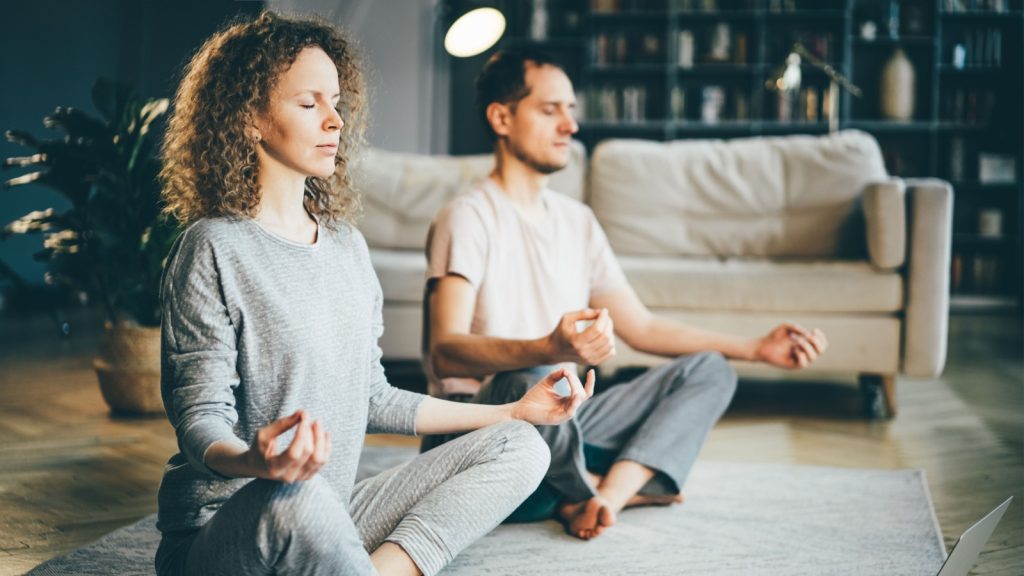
point(300, 129)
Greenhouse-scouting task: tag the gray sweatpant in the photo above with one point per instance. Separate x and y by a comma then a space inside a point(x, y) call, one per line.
point(433, 507)
point(659, 419)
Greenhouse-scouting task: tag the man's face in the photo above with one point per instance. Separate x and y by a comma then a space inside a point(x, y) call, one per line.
point(539, 127)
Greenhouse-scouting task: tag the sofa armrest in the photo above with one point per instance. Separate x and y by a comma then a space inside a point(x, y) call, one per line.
point(927, 310)
point(885, 217)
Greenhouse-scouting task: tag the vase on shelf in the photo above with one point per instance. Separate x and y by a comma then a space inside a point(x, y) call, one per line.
point(897, 89)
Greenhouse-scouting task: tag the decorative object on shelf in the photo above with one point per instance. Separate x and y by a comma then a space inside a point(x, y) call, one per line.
point(739, 55)
point(539, 21)
point(712, 105)
point(869, 30)
point(956, 159)
point(111, 243)
point(897, 88)
point(997, 168)
point(634, 104)
point(778, 82)
point(721, 43)
point(686, 49)
point(990, 223)
point(893, 24)
point(677, 103)
point(474, 32)
point(787, 88)
point(959, 56)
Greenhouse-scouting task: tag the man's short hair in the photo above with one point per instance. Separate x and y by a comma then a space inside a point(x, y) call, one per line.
point(503, 79)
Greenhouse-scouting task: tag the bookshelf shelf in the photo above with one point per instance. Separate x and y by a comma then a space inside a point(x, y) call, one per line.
point(890, 126)
point(976, 241)
point(803, 15)
point(950, 70)
point(974, 303)
point(720, 69)
point(982, 188)
point(628, 18)
point(983, 15)
point(687, 17)
point(886, 42)
point(568, 42)
point(624, 126)
point(628, 70)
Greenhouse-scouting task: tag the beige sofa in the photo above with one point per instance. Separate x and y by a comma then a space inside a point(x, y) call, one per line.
point(731, 235)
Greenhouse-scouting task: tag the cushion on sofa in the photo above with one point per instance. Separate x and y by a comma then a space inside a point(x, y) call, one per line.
point(792, 196)
point(403, 192)
point(763, 286)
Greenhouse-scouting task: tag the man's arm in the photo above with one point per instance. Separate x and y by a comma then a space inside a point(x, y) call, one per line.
point(787, 346)
point(454, 351)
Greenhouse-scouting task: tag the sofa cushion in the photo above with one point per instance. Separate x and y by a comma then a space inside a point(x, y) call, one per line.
point(755, 197)
point(762, 285)
point(403, 192)
point(402, 273)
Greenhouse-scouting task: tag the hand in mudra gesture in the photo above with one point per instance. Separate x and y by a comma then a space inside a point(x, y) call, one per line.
point(544, 405)
point(791, 346)
point(301, 460)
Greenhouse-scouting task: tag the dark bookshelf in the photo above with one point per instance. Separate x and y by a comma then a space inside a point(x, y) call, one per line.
point(682, 69)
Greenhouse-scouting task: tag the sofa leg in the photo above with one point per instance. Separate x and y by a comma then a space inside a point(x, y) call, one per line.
point(879, 395)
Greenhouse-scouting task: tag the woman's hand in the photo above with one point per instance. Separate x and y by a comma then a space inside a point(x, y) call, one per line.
point(543, 405)
point(308, 452)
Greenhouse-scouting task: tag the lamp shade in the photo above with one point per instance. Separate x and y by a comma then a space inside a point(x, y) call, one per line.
point(474, 32)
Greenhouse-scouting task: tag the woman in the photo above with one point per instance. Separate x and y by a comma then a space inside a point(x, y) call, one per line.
point(271, 315)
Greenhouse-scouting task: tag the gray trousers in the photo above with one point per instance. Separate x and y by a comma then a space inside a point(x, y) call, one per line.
point(433, 507)
point(659, 419)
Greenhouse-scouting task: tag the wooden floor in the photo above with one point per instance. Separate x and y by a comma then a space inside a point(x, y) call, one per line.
point(70, 473)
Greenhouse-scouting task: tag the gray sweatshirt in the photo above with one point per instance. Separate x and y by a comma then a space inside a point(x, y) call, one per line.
point(256, 327)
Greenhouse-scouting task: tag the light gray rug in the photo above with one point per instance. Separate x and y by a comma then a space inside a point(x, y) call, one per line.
point(737, 519)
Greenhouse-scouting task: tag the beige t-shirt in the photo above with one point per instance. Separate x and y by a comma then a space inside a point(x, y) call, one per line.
point(527, 273)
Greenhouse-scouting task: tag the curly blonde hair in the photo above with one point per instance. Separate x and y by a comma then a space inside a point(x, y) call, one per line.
point(209, 165)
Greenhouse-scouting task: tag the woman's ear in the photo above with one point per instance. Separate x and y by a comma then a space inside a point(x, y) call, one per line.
point(499, 116)
point(253, 133)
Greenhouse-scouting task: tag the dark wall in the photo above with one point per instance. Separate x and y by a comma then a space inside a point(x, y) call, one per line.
point(466, 132)
point(51, 52)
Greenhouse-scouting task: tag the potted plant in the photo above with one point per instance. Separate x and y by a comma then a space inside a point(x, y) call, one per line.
point(110, 245)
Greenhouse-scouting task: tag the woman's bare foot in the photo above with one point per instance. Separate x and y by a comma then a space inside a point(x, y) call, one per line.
point(587, 519)
point(668, 500)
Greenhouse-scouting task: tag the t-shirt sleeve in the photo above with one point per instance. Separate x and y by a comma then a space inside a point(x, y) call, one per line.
point(199, 351)
point(605, 272)
point(457, 244)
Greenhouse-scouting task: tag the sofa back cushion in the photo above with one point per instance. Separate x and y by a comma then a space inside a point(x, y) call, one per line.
point(403, 192)
point(792, 196)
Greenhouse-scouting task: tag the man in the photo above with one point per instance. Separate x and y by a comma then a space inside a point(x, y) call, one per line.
point(521, 278)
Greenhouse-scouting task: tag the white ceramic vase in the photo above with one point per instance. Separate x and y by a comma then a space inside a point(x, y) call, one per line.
point(897, 87)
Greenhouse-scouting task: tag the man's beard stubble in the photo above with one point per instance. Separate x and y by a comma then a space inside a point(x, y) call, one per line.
point(545, 168)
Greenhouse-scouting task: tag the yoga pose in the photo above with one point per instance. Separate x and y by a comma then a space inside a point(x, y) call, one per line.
point(521, 278)
point(271, 316)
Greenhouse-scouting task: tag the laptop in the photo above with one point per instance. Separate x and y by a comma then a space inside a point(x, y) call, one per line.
point(965, 552)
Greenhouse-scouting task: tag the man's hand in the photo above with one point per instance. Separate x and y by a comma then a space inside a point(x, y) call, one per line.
point(308, 452)
point(543, 405)
point(791, 346)
point(589, 347)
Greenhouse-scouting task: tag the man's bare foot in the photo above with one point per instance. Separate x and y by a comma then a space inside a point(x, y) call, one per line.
point(668, 500)
point(587, 519)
